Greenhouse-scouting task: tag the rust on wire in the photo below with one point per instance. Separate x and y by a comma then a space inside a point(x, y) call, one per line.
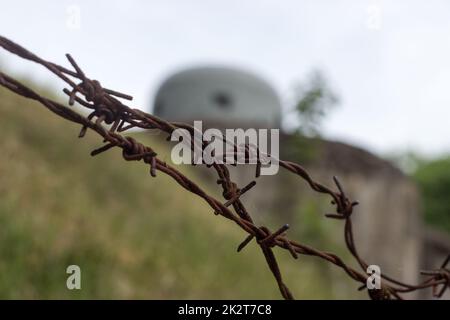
point(107, 109)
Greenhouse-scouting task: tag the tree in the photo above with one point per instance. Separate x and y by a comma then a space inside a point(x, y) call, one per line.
point(314, 99)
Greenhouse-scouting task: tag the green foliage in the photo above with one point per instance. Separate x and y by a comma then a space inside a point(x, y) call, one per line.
point(314, 100)
point(433, 178)
point(300, 148)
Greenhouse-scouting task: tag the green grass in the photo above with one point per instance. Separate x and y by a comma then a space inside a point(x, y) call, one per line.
point(132, 235)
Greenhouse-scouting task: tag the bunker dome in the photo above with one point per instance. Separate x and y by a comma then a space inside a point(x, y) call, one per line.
point(220, 97)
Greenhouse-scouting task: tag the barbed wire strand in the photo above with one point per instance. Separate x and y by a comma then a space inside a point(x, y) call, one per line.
point(108, 109)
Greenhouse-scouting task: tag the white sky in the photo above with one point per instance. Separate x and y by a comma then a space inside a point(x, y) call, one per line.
point(387, 60)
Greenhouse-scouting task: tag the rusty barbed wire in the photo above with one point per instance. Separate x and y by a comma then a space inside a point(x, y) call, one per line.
point(106, 108)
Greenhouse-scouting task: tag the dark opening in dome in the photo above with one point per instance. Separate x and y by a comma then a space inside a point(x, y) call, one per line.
point(223, 100)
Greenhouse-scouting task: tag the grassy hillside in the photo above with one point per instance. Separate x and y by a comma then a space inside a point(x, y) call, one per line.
point(133, 236)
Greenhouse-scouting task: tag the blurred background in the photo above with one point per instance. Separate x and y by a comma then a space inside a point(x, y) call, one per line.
point(358, 89)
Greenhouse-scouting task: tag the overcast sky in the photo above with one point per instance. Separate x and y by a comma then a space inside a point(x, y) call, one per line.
point(387, 60)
